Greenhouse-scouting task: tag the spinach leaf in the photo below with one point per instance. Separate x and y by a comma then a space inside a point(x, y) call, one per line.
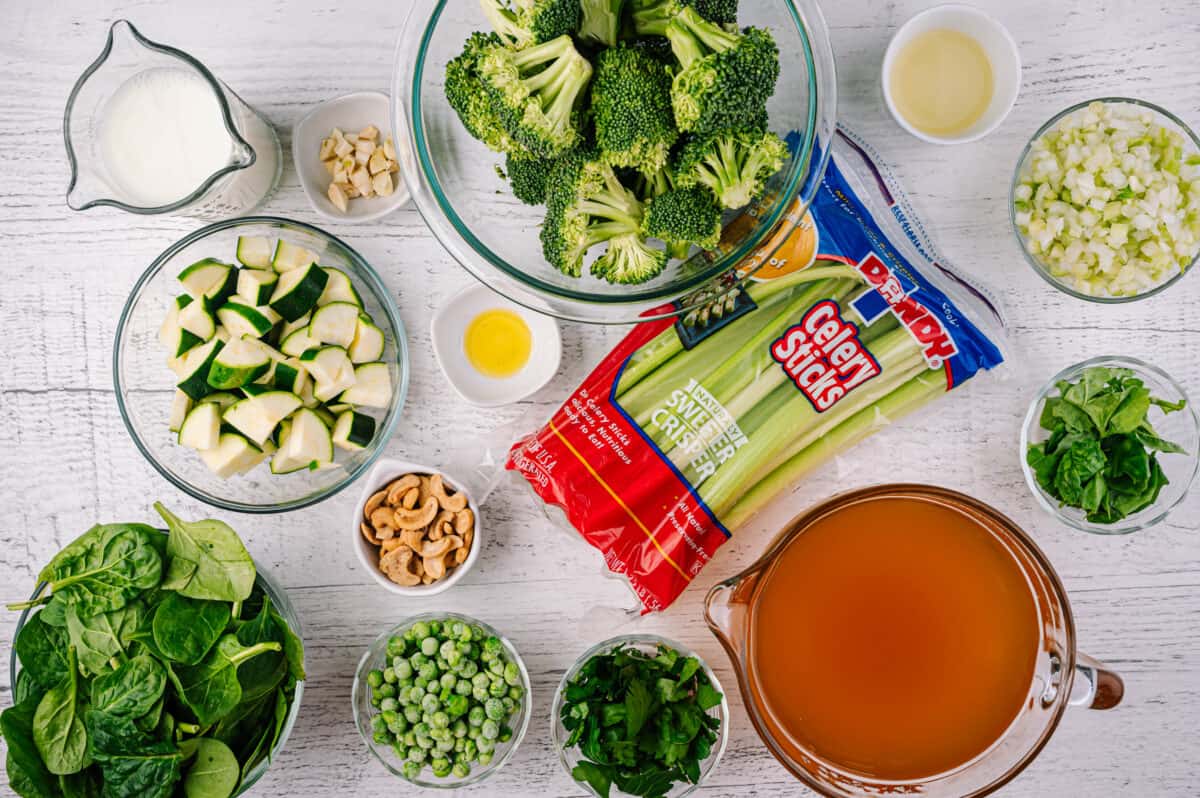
point(293, 647)
point(58, 730)
point(27, 773)
point(105, 568)
point(598, 776)
point(186, 628)
point(42, 650)
point(55, 612)
point(26, 687)
point(264, 673)
point(84, 784)
point(150, 771)
point(110, 735)
point(132, 690)
point(98, 638)
point(211, 689)
point(223, 568)
point(214, 771)
point(1080, 463)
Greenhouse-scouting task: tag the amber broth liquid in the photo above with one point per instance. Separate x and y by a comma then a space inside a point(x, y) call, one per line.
point(894, 638)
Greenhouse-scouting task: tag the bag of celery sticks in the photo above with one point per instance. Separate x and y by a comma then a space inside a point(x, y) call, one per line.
point(692, 424)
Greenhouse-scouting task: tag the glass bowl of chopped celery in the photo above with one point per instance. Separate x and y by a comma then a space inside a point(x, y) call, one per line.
point(243, 461)
point(1105, 200)
point(460, 188)
point(460, 734)
point(1110, 445)
point(644, 674)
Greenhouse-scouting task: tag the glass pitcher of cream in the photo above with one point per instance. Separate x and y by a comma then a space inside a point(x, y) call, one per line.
point(150, 130)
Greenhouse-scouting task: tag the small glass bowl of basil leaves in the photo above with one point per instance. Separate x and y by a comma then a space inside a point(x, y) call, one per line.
point(1110, 445)
point(244, 730)
point(666, 673)
point(378, 658)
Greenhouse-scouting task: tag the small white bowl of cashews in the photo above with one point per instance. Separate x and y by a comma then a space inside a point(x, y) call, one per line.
point(416, 529)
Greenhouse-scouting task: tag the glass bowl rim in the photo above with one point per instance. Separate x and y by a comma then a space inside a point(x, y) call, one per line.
point(477, 775)
point(643, 638)
point(1030, 422)
point(275, 591)
point(377, 288)
point(1032, 260)
point(816, 153)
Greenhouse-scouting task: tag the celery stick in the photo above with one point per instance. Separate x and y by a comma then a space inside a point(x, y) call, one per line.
point(895, 353)
point(910, 396)
point(667, 344)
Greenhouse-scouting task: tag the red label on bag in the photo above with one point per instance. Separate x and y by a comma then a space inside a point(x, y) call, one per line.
point(618, 489)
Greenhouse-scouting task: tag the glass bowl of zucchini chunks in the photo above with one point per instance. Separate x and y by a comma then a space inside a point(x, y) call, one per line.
point(260, 364)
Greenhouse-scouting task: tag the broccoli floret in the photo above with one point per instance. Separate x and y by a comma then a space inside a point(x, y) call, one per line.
point(529, 174)
point(531, 21)
point(601, 21)
point(681, 217)
point(734, 166)
point(726, 78)
point(650, 17)
point(631, 100)
point(629, 260)
point(469, 97)
point(535, 92)
point(586, 204)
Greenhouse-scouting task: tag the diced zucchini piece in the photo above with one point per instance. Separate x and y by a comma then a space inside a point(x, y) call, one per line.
point(280, 432)
point(297, 291)
point(222, 399)
point(306, 395)
point(372, 386)
point(210, 280)
point(331, 370)
point(238, 363)
point(367, 345)
point(289, 256)
point(180, 406)
point(306, 444)
point(289, 327)
point(353, 431)
point(175, 338)
point(196, 365)
point(232, 455)
point(337, 408)
point(202, 427)
point(256, 416)
point(290, 375)
point(242, 320)
point(299, 342)
point(254, 251)
point(256, 286)
point(327, 418)
point(268, 350)
point(198, 321)
point(336, 324)
point(255, 389)
point(339, 289)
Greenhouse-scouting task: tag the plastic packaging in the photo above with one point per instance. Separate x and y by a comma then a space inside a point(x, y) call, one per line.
point(690, 425)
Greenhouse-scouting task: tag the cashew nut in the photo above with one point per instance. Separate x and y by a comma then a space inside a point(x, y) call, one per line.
point(390, 544)
point(464, 520)
point(397, 564)
point(369, 534)
point(436, 548)
point(382, 519)
point(410, 499)
point(413, 538)
point(460, 555)
point(418, 518)
point(435, 567)
point(454, 503)
point(401, 486)
point(374, 502)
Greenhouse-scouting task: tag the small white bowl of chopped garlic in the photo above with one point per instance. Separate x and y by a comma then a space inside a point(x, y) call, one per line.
point(346, 158)
point(416, 530)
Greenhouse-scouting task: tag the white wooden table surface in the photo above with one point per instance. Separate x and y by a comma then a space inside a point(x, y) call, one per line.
point(66, 461)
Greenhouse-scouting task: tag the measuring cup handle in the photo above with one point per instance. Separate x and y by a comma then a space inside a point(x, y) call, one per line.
point(1096, 685)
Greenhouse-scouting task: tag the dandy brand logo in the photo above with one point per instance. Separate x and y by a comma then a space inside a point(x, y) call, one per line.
point(823, 356)
point(935, 342)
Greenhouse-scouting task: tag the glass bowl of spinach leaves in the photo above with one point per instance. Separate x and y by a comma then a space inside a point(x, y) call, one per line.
point(640, 715)
point(1110, 445)
point(154, 663)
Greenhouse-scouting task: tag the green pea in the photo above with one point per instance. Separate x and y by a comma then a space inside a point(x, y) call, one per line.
point(484, 758)
point(476, 716)
point(386, 691)
point(485, 745)
point(416, 753)
point(468, 668)
point(411, 769)
point(421, 682)
point(477, 632)
point(425, 742)
point(389, 675)
point(497, 688)
point(457, 705)
point(510, 706)
point(403, 670)
point(378, 724)
point(480, 680)
point(494, 709)
point(440, 720)
point(463, 687)
point(459, 745)
point(512, 674)
point(389, 705)
point(480, 694)
point(375, 678)
point(496, 667)
point(505, 733)
point(382, 738)
point(470, 751)
point(395, 646)
point(416, 693)
point(376, 701)
point(421, 729)
point(440, 766)
point(430, 703)
point(445, 746)
point(490, 729)
point(428, 672)
point(420, 630)
point(435, 627)
point(516, 692)
point(412, 713)
point(409, 739)
point(429, 646)
point(459, 729)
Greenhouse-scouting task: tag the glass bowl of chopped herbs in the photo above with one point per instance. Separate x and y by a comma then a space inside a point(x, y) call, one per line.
point(640, 715)
point(442, 700)
point(1110, 445)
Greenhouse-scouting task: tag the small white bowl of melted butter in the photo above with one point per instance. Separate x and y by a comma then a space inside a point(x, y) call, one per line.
point(951, 74)
point(492, 351)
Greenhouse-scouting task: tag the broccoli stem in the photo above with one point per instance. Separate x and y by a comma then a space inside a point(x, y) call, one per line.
point(601, 21)
point(505, 23)
point(693, 37)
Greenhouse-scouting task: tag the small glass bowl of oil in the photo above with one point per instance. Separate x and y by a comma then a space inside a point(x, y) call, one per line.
point(492, 351)
point(951, 74)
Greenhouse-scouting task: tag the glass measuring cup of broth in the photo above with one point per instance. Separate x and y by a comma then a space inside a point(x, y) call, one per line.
point(150, 130)
point(905, 639)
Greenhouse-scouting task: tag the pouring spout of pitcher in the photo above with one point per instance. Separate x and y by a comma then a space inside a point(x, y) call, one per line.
point(727, 610)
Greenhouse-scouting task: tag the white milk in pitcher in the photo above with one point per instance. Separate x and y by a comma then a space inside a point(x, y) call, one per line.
point(162, 134)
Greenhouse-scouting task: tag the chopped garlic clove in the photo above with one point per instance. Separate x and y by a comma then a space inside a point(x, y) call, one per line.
point(343, 148)
point(350, 190)
point(330, 165)
point(378, 162)
point(382, 183)
point(361, 180)
point(338, 197)
point(370, 133)
point(389, 149)
point(327, 146)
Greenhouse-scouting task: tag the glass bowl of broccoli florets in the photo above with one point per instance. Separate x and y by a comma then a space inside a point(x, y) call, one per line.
point(612, 160)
